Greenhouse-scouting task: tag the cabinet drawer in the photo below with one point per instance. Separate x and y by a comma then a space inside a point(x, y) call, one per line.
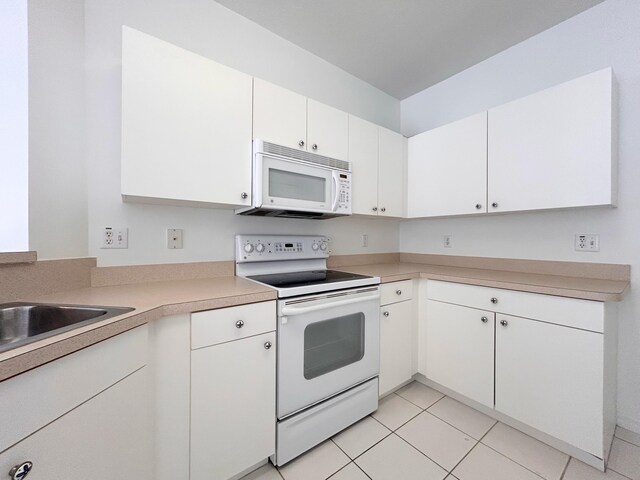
point(396, 292)
point(572, 312)
point(35, 398)
point(226, 324)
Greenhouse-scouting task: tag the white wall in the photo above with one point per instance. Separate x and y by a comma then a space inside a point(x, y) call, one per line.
point(207, 28)
point(14, 146)
point(57, 170)
point(607, 34)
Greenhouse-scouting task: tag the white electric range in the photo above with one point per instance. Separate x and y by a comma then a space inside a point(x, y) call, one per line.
point(328, 338)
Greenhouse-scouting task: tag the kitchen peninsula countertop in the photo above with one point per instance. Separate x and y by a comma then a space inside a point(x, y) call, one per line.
point(154, 299)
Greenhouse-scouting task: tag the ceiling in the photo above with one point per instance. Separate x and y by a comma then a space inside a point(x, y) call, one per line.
point(405, 46)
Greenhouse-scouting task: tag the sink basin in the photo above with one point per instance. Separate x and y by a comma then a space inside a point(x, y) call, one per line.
point(23, 323)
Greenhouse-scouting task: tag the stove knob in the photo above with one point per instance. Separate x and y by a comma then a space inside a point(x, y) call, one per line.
point(315, 247)
point(260, 248)
point(248, 248)
point(323, 246)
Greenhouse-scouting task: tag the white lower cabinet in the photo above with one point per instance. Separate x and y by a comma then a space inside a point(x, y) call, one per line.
point(233, 394)
point(553, 367)
point(551, 378)
point(396, 335)
point(460, 349)
point(104, 438)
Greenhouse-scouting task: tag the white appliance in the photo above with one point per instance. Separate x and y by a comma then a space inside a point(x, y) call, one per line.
point(292, 183)
point(328, 338)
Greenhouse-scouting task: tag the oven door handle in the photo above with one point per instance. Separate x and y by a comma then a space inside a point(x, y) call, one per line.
point(290, 310)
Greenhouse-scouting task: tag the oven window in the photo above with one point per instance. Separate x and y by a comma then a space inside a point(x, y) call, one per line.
point(333, 344)
point(298, 186)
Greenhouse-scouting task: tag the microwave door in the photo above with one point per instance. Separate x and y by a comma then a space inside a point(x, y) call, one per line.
point(296, 186)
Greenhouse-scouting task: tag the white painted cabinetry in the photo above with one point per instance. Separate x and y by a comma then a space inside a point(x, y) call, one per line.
point(447, 169)
point(555, 359)
point(459, 349)
point(233, 394)
point(555, 148)
point(86, 415)
point(396, 322)
point(290, 119)
point(186, 126)
point(378, 161)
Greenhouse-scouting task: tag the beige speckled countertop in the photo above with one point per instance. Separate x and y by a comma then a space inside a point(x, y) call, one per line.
point(153, 299)
point(564, 286)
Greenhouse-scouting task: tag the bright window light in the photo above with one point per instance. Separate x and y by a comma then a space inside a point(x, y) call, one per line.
point(14, 158)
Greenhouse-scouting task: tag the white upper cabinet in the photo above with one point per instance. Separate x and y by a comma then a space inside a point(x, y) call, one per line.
point(290, 119)
point(391, 170)
point(279, 115)
point(447, 169)
point(554, 149)
point(363, 155)
point(186, 125)
point(327, 130)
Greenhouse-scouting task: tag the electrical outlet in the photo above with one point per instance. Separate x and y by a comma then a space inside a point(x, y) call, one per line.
point(447, 241)
point(587, 242)
point(174, 238)
point(365, 240)
point(115, 237)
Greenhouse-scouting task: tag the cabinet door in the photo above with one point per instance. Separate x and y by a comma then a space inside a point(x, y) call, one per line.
point(186, 124)
point(553, 149)
point(391, 169)
point(460, 349)
point(447, 169)
point(550, 377)
point(279, 115)
point(363, 155)
point(327, 130)
point(106, 437)
point(395, 345)
point(233, 410)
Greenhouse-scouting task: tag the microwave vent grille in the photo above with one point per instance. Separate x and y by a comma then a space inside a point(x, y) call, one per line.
point(305, 156)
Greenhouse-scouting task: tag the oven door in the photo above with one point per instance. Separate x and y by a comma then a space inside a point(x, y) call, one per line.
point(291, 185)
point(326, 344)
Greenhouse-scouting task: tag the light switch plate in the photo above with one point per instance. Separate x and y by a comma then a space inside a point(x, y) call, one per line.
point(115, 237)
point(587, 242)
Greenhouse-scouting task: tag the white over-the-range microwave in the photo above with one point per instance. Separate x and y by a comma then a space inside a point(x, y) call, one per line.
point(297, 184)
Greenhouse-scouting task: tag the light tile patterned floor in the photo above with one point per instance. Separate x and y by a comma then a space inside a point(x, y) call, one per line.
point(418, 433)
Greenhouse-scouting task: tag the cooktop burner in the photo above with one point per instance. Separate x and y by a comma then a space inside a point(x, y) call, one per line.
point(306, 278)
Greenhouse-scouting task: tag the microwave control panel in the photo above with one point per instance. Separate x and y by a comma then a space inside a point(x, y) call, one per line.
point(344, 193)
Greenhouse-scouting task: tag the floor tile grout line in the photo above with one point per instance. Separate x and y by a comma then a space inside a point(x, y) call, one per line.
point(422, 408)
point(508, 458)
point(460, 430)
point(441, 466)
point(566, 467)
point(474, 447)
point(386, 436)
point(625, 441)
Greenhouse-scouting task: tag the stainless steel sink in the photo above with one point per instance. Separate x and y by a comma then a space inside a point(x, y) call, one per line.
point(23, 323)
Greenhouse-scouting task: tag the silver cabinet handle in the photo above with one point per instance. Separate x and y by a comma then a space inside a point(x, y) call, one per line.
point(20, 471)
point(267, 345)
point(494, 204)
point(383, 209)
point(375, 209)
point(398, 292)
point(504, 323)
point(386, 314)
point(314, 146)
point(484, 319)
point(301, 143)
point(478, 206)
point(494, 300)
point(244, 195)
point(239, 324)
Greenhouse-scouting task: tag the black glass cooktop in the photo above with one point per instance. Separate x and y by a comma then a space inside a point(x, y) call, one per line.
point(302, 279)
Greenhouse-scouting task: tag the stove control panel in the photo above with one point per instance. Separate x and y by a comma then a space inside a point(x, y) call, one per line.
point(263, 248)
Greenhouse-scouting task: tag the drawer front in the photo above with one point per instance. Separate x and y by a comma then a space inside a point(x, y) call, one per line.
point(48, 392)
point(571, 312)
point(227, 324)
point(396, 292)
